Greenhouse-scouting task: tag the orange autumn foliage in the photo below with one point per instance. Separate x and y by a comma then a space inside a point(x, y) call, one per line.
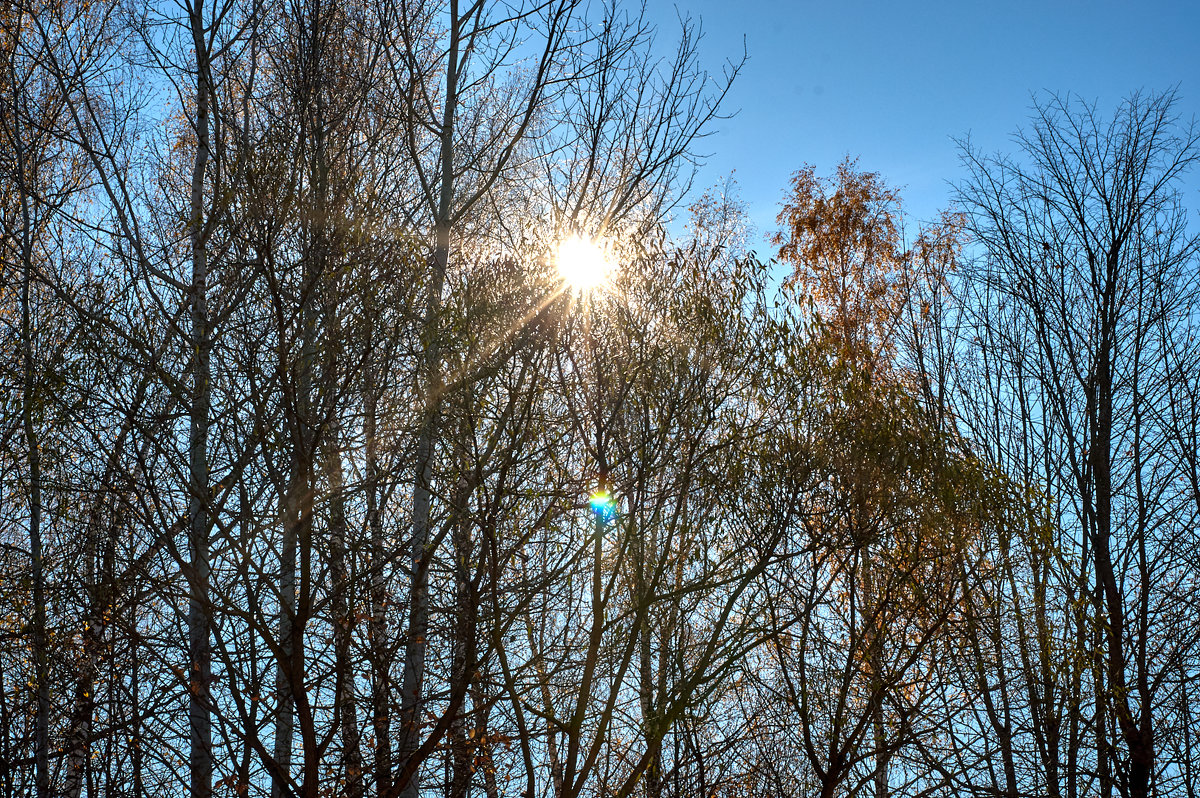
point(843, 237)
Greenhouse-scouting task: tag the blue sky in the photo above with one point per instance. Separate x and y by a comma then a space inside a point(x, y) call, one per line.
point(895, 82)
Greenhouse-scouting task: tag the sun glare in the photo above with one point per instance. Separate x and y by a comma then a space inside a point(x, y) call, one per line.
point(583, 263)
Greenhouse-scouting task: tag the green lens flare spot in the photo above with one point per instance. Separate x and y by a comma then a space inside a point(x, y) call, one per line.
point(603, 504)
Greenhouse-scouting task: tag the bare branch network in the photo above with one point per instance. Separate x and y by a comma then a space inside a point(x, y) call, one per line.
point(382, 414)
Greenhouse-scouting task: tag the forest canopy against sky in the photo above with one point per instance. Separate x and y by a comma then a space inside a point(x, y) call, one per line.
point(390, 406)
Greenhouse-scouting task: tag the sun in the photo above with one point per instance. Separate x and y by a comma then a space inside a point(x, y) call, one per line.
point(583, 263)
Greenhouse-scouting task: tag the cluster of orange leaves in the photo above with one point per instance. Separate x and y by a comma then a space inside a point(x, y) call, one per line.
point(844, 238)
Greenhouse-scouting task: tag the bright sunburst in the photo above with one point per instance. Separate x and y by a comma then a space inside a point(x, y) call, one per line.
point(583, 263)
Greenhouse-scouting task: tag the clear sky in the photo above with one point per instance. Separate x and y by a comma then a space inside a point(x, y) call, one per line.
point(895, 82)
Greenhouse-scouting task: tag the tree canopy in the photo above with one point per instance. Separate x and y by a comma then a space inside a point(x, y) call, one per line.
point(372, 426)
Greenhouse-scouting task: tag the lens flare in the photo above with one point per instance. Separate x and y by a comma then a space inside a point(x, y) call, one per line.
point(603, 504)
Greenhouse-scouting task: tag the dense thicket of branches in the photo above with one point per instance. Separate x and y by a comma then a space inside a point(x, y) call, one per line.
point(299, 426)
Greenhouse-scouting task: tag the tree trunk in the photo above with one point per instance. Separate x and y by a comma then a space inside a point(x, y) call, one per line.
point(418, 608)
point(463, 737)
point(412, 684)
point(1137, 736)
point(650, 730)
point(285, 716)
point(345, 699)
point(199, 609)
point(297, 540)
point(101, 609)
point(41, 654)
point(377, 634)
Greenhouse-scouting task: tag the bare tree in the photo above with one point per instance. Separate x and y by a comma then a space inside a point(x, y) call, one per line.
point(1085, 248)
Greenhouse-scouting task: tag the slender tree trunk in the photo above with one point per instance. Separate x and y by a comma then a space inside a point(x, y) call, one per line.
point(344, 622)
point(412, 685)
point(1188, 765)
point(297, 528)
point(296, 544)
point(78, 749)
point(377, 633)
point(136, 730)
point(41, 654)
point(1108, 602)
point(6, 746)
point(199, 608)
point(1136, 732)
point(873, 640)
point(285, 713)
point(574, 733)
point(462, 743)
point(1100, 693)
point(491, 786)
point(1083, 642)
point(295, 570)
point(418, 610)
point(653, 773)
